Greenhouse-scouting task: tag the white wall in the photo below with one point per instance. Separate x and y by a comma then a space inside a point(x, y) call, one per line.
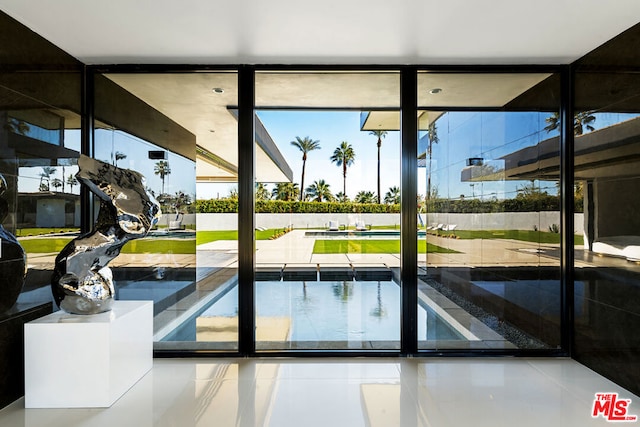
point(489, 221)
point(187, 219)
point(50, 213)
point(504, 220)
point(229, 221)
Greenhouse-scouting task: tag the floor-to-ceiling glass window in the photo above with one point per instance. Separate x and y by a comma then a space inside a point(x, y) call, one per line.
point(178, 129)
point(488, 211)
point(607, 192)
point(327, 226)
point(327, 210)
point(39, 199)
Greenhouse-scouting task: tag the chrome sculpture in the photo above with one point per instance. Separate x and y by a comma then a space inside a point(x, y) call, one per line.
point(82, 283)
point(13, 260)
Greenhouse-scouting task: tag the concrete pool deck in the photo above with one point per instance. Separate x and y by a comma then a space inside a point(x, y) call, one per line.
point(296, 247)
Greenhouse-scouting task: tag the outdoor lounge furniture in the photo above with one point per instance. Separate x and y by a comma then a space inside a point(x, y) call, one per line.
point(361, 226)
point(621, 246)
point(334, 226)
point(176, 225)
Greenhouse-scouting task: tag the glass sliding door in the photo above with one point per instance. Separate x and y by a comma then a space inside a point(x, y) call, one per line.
point(327, 211)
point(489, 214)
point(178, 129)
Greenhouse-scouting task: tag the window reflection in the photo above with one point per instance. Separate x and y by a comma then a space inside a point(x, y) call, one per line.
point(176, 129)
point(488, 207)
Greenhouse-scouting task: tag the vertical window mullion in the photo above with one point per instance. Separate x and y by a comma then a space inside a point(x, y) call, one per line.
point(246, 205)
point(408, 221)
point(567, 208)
point(87, 143)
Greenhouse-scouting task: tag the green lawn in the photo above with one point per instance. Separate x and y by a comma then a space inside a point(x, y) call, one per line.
point(21, 232)
point(525, 235)
point(212, 236)
point(371, 246)
point(155, 246)
point(160, 246)
point(44, 245)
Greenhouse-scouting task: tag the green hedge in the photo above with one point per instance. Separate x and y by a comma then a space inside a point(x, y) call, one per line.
point(281, 206)
point(519, 204)
point(217, 206)
point(539, 203)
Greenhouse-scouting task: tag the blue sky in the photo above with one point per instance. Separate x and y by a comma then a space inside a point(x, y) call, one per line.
point(331, 128)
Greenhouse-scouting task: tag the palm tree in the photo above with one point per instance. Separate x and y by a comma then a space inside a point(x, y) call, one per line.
point(432, 133)
point(261, 191)
point(319, 191)
point(305, 145)
point(581, 120)
point(47, 171)
point(285, 191)
point(343, 291)
point(343, 156)
point(393, 196)
point(56, 183)
point(233, 194)
point(71, 181)
point(119, 156)
point(365, 197)
point(380, 134)
point(342, 197)
point(162, 168)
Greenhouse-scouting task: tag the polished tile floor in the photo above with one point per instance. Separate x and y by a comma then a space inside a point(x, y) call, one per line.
point(347, 392)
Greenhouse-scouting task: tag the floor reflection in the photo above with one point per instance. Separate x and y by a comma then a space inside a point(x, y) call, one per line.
point(346, 392)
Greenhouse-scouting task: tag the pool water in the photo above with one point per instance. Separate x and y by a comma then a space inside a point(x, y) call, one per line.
point(331, 311)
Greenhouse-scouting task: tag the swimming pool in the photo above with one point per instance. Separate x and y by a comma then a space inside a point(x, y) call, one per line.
point(307, 313)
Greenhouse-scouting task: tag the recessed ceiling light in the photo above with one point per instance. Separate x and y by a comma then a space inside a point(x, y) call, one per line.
point(435, 90)
point(218, 90)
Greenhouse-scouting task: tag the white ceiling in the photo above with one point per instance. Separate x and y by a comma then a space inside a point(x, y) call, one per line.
point(326, 31)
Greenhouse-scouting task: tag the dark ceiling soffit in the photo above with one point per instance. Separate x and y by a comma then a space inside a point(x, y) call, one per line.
point(622, 51)
point(32, 148)
point(122, 110)
point(211, 158)
point(264, 141)
point(545, 96)
point(33, 52)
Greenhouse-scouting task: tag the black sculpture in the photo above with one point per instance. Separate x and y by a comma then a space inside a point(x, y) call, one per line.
point(13, 260)
point(82, 283)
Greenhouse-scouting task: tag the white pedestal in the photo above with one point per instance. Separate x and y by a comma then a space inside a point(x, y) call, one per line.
point(76, 361)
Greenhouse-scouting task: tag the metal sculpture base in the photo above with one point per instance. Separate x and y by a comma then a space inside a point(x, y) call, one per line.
point(87, 361)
